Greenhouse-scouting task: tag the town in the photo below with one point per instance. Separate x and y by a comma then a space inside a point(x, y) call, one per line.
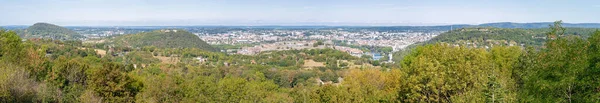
point(251, 41)
point(396, 40)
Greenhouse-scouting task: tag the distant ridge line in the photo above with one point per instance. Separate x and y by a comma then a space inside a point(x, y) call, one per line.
point(455, 26)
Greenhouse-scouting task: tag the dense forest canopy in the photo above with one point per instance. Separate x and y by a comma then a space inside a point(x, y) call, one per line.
point(486, 37)
point(564, 69)
point(163, 39)
point(528, 37)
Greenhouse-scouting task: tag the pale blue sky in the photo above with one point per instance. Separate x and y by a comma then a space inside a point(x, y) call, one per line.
point(294, 12)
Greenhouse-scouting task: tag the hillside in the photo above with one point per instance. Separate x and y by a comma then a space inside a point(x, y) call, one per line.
point(531, 37)
point(163, 39)
point(488, 36)
point(482, 35)
point(46, 30)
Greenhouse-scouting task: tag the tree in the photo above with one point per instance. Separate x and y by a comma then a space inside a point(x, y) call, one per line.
point(11, 48)
point(68, 72)
point(318, 43)
point(372, 85)
point(161, 89)
point(557, 30)
point(493, 91)
point(330, 93)
point(448, 76)
point(387, 49)
point(563, 70)
point(114, 85)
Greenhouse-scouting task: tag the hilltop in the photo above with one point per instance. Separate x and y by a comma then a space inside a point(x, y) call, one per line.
point(163, 39)
point(46, 30)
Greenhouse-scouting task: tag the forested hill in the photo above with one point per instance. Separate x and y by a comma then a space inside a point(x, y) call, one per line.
point(483, 35)
point(488, 37)
point(503, 36)
point(46, 30)
point(163, 39)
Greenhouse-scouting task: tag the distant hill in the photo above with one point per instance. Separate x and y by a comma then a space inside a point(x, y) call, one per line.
point(486, 36)
point(14, 27)
point(458, 26)
point(538, 25)
point(163, 39)
point(46, 30)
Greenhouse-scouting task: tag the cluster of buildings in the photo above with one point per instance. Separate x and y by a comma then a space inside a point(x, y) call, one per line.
point(245, 37)
point(286, 39)
point(283, 45)
point(299, 45)
point(295, 39)
point(396, 40)
point(351, 51)
point(101, 32)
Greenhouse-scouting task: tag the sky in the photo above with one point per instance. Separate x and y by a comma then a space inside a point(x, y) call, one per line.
point(294, 12)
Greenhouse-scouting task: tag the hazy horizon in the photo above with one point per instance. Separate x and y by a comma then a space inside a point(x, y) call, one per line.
point(289, 25)
point(292, 13)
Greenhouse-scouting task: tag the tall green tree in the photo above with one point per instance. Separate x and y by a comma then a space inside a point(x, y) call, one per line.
point(563, 70)
point(446, 76)
point(10, 46)
point(113, 84)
